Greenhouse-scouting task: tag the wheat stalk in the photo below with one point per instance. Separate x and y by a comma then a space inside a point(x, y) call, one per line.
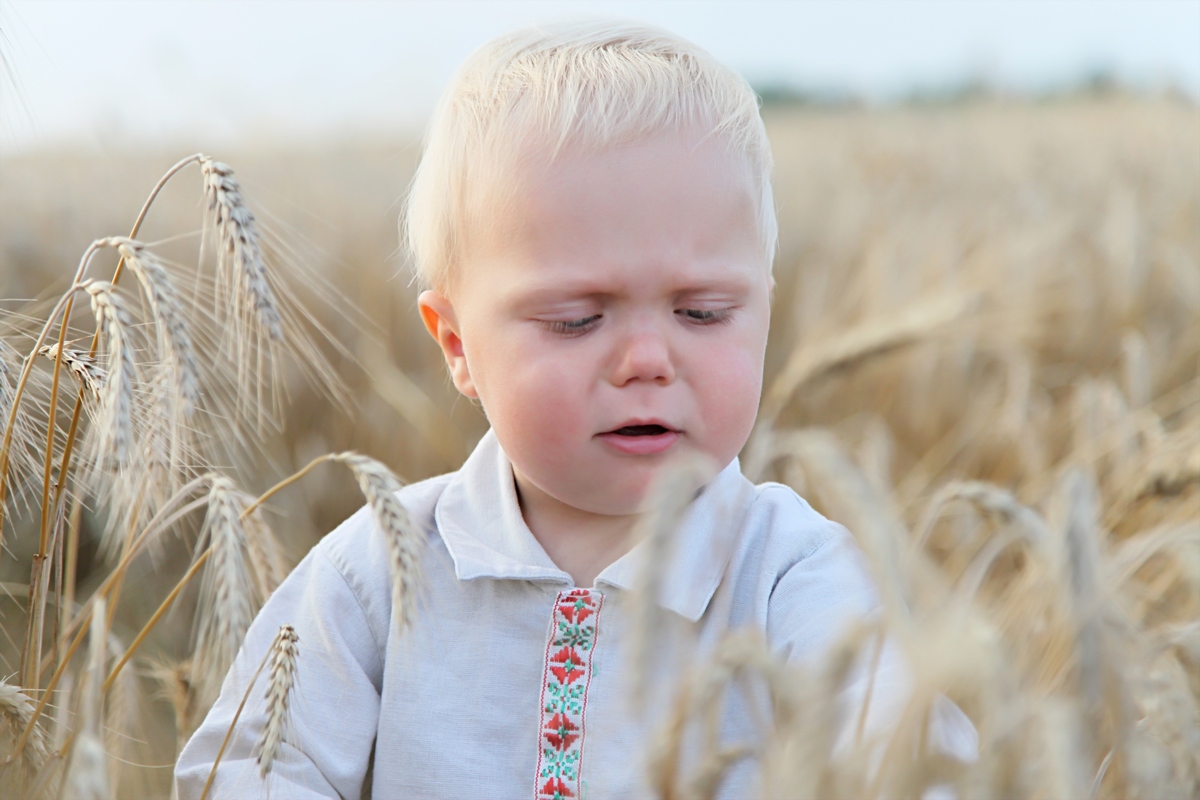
point(87, 770)
point(1083, 572)
point(130, 428)
point(929, 317)
point(122, 728)
point(281, 676)
point(24, 464)
point(655, 533)
point(87, 777)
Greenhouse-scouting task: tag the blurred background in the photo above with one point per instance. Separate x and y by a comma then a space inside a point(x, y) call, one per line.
point(201, 75)
point(1006, 195)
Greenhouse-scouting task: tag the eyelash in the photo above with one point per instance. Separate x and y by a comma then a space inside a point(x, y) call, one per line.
point(705, 317)
point(572, 327)
point(576, 327)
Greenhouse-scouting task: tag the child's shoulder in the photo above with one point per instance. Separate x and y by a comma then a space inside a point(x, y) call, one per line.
point(358, 551)
point(788, 525)
point(819, 576)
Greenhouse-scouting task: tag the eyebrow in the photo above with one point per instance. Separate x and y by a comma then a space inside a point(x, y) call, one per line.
point(590, 289)
point(553, 291)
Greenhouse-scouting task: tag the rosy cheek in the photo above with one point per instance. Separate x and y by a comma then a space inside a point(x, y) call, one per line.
point(732, 386)
point(540, 403)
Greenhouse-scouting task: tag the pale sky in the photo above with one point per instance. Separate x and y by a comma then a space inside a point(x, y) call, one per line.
point(198, 74)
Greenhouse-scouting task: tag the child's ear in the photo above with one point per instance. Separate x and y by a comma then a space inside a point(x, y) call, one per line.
point(438, 315)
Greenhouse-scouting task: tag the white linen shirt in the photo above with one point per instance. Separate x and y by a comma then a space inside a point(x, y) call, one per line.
point(512, 682)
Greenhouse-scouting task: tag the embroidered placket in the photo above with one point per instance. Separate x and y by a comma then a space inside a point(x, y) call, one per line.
point(565, 681)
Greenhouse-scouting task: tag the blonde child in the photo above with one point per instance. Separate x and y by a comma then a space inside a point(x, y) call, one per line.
point(593, 223)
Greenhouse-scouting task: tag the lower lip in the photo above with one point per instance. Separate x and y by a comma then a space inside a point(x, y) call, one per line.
point(640, 445)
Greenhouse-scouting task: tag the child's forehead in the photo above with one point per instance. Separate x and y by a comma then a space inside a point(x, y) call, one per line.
point(682, 168)
point(673, 213)
point(673, 170)
point(534, 153)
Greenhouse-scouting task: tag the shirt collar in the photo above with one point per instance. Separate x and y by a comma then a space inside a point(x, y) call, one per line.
point(480, 520)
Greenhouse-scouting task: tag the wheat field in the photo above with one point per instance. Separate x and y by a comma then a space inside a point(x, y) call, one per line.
point(984, 360)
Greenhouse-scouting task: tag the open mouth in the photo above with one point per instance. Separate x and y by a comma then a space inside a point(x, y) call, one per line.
point(642, 430)
point(641, 440)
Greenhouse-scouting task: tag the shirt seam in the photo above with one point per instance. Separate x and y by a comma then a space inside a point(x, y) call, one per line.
point(796, 499)
point(812, 551)
point(380, 651)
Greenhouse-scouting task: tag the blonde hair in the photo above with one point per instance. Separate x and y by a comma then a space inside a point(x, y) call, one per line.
point(593, 85)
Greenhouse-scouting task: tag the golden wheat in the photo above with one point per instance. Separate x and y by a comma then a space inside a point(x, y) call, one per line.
point(985, 361)
point(281, 675)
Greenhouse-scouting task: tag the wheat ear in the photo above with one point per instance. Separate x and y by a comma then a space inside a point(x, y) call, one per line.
point(263, 548)
point(228, 599)
point(240, 255)
point(16, 712)
point(237, 714)
point(1027, 526)
point(115, 423)
point(871, 338)
point(1171, 475)
point(91, 376)
point(175, 341)
point(174, 681)
point(379, 487)
point(994, 501)
point(281, 676)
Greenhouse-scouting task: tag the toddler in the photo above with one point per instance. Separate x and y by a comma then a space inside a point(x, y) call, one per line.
point(592, 221)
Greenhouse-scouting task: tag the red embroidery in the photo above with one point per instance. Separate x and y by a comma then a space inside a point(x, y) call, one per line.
point(556, 789)
point(560, 732)
point(568, 665)
point(565, 681)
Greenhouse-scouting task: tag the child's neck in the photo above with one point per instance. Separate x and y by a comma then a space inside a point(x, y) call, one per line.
point(579, 543)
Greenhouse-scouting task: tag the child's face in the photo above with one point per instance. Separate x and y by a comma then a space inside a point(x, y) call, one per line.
point(613, 314)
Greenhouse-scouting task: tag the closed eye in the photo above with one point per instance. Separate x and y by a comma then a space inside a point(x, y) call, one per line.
point(699, 316)
point(572, 327)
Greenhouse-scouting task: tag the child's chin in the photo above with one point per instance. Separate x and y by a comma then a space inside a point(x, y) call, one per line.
point(617, 498)
point(672, 484)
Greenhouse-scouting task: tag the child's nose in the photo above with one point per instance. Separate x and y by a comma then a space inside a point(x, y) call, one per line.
point(644, 356)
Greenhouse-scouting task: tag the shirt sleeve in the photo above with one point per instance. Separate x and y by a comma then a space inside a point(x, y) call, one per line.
point(815, 600)
point(334, 710)
point(814, 604)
